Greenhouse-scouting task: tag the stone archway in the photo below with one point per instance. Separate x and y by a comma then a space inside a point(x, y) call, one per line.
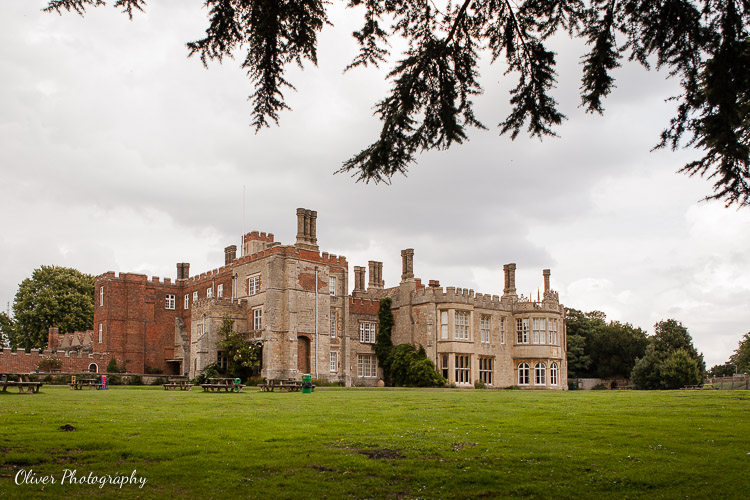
point(303, 354)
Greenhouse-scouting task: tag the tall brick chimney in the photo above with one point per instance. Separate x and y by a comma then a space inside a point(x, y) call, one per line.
point(183, 271)
point(52, 337)
point(407, 264)
point(546, 273)
point(510, 279)
point(306, 229)
point(376, 275)
point(359, 279)
point(230, 254)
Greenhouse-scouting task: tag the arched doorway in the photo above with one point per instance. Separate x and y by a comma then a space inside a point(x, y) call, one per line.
point(93, 368)
point(303, 354)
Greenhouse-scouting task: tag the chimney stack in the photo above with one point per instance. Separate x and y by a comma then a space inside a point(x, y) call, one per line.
point(306, 229)
point(545, 273)
point(510, 279)
point(230, 254)
point(359, 279)
point(376, 275)
point(52, 338)
point(183, 271)
point(407, 264)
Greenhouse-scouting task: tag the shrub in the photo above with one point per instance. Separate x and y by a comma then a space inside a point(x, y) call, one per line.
point(114, 380)
point(211, 371)
point(49, 363)
point(478, 384)
point(512, 388)
point(410, 367)
point(159, 381)
point(135, 380)
point(319, 382)
point(150, 370)
point(599, 387)
point(112, 366)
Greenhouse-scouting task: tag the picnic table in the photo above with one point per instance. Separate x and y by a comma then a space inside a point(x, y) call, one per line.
point(223, 384)
point(20, 380)
point(181, 383)
point(80, 383)
point(285, 385)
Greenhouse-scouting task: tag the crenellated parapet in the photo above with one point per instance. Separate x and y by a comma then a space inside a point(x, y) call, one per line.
point(299, 253)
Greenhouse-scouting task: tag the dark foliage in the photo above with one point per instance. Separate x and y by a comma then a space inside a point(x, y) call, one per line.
point(703, 43)
point(243, 358)
point(383, 342)
point(410, 367)
point(670, 361)
point(52, 296)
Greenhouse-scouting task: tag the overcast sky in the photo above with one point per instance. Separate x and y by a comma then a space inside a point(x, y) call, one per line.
point(118, 153)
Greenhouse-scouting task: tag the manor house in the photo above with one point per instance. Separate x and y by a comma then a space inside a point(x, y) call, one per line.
point(294, 300)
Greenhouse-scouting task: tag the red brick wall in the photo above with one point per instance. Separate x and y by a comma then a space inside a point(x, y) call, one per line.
point(21, 362)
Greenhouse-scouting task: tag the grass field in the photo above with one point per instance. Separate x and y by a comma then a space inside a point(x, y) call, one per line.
point(377, 443)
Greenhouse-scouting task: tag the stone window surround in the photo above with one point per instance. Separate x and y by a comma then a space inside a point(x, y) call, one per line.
point(334, 361)
point(540, 373)
point(524, 374)
point(486, 366)
point(253, 284)
point(257, 318)
point(367, 332)
point(367, 366)
point(462, 368)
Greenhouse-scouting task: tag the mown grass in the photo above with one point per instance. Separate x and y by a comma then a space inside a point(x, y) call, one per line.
point(380, 443)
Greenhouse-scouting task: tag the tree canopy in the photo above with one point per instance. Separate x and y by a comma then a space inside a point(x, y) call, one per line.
point(600, 349)
point(243, 358)
point(53, 296)
point(741, 356)
point(670, 361)
point(702, 43)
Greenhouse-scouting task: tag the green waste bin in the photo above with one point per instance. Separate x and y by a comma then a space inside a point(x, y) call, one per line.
point(306, 383)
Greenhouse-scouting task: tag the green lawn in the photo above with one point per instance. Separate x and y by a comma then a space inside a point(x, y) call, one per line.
point(379, 443)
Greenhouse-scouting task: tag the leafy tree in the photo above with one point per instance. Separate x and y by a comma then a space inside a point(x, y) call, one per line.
point(410, 367)
point(383, 342)
point(664, 363)
point(741, 356)
point(680, 369)
point(585, 324)
point(725, 370)
point(7, 331)
point(703, 43)
point(646, 373)
point(615, 347)
point(244, 358)
point(52, 296)
point(578, 361)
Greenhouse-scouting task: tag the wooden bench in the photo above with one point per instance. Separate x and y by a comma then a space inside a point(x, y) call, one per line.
point(282, 385)
point(20, 380)
point(182, 384)
point(222, 384)
point(24, 387)
point(92, 384)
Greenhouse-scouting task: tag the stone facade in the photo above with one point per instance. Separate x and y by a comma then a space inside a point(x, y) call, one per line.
point(294, 300)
